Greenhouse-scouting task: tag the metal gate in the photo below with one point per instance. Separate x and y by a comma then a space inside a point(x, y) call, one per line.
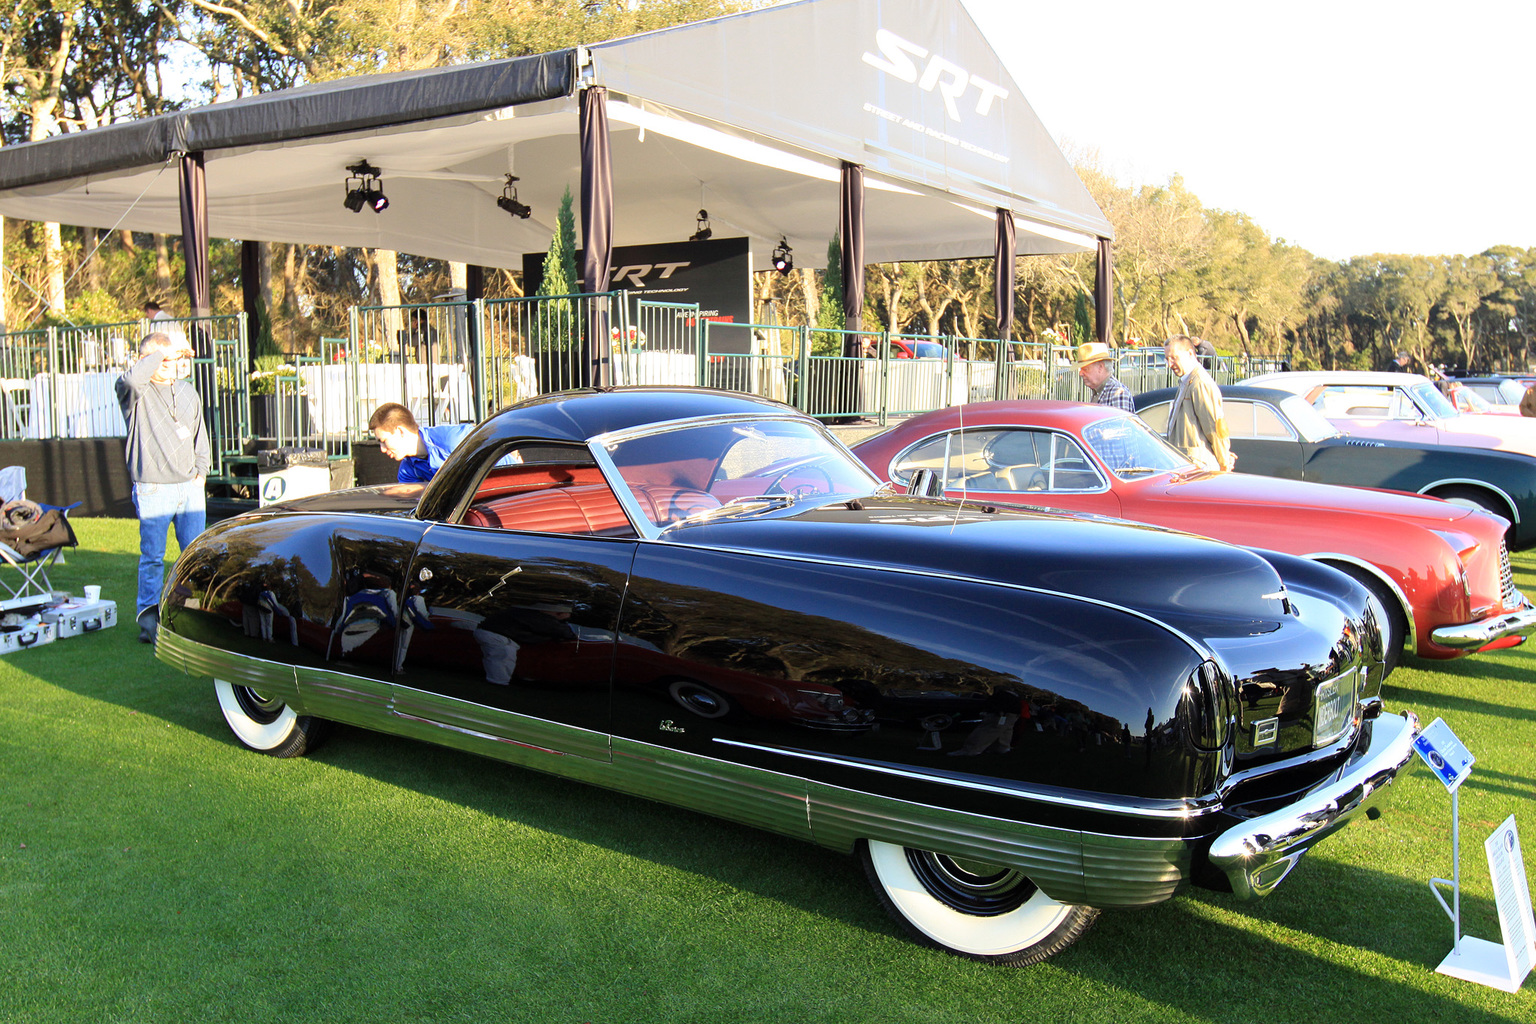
point(660, 345)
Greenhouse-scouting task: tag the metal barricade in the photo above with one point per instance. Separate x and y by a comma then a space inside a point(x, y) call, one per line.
point(543, 343)
point(757, 359)
point(660, 346)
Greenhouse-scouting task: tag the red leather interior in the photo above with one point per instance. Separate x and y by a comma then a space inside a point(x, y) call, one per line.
point(574, 499)
point(581, 508)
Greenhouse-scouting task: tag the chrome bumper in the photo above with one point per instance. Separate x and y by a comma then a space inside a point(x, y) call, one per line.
point(1258, 854)
point(1480, 634)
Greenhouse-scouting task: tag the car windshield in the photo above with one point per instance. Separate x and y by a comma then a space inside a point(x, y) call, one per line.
point(1309, 423)
point(1130, 449)
point(1474, 401)
point(1432, 402)
point(706, 469)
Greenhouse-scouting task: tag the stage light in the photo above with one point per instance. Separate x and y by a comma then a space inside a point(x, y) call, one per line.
point(508, 200)
point(783, 257)
point(702, 235)
point(365, 187)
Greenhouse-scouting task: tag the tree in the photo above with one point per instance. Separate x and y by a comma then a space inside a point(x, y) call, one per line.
point(829, 314)
point(1468, 283)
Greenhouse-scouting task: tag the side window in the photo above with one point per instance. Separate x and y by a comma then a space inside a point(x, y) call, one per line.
point(1156, 416)
point(1068, 467)
point(1268, 424)
point(548, 490)
point(955, 456)
point(1239, 417)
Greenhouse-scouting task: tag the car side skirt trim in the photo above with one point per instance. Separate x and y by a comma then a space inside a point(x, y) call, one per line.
point(1451, 481)
point(1070, 865)
point(1174, 810)
point(1410, 642)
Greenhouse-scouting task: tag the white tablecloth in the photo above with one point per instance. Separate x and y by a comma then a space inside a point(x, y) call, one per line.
point(443, 396)
point(87, 406)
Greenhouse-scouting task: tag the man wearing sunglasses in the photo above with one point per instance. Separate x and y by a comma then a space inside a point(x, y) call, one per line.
point(167, 460)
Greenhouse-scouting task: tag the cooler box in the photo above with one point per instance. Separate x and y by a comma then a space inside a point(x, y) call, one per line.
point(287, 473)
point(35, 635)
point(77, 615)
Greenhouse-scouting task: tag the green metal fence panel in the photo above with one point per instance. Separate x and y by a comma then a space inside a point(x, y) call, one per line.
point(767, 360)
point(661, 346)
point(536, 345)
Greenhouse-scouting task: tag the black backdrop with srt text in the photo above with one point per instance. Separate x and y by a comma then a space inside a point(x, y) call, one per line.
point(716, 274)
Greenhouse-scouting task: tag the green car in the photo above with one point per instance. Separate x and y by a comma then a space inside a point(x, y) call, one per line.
point(1276, 433)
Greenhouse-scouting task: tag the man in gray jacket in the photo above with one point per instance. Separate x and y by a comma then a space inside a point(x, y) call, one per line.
point(167, 460)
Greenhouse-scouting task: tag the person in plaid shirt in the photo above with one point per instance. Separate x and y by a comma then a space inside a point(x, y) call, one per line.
point(1094, 364)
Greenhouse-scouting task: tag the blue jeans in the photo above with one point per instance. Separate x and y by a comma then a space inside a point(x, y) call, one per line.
point(160, 506)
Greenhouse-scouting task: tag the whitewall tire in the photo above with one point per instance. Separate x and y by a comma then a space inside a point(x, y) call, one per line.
point(266, 724)
point(981, 911)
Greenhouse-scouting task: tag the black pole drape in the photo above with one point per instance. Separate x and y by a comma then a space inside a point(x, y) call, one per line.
point(1103, 293)
point(1003, 253)
point(596, 226)
point(250, 296)
point(194, 231)
point(850, 236)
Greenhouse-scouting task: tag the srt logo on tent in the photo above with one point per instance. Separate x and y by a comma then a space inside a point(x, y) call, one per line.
point(897, 58)
point(636, 273)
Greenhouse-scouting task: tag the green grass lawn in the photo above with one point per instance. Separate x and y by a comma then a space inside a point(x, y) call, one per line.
point(153, 870)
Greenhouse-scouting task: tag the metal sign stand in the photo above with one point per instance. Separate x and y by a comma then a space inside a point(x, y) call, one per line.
point(1470, 959)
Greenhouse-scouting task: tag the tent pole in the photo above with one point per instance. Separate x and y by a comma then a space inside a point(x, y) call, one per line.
point(250, 296)
point(596, 229)
point(1103, 293)
point(1003, 255)
point(850, 229)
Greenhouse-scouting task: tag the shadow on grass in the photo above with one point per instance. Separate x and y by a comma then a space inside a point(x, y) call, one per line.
point(1267, 948)
point(1396, 695)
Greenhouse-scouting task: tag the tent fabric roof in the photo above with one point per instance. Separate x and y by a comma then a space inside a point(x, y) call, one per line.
point(748, 116)
point(306, 112)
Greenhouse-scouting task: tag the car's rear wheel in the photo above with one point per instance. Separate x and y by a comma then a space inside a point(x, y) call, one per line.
point(266, 724)
point(1394, 622)
point(982, 911)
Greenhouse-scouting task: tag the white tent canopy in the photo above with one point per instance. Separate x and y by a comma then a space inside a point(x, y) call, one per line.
point(749, 116)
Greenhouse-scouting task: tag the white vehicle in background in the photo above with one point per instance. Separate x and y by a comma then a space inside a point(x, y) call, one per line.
point(1400, 407)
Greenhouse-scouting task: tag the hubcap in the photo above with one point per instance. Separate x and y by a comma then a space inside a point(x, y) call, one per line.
point(257, 707)
point(969, 886)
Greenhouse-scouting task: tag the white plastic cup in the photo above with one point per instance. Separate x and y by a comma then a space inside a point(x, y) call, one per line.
point(92, 592)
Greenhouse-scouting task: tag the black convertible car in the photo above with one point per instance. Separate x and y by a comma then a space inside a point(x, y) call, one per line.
point(1277, 433)
point(1014, 717)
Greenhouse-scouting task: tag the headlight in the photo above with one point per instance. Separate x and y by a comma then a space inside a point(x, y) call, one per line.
point(1333, 707)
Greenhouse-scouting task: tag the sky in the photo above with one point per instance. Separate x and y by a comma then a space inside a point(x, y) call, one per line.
point(1349, 128)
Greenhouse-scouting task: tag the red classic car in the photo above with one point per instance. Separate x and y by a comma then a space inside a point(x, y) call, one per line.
point(1441, 570)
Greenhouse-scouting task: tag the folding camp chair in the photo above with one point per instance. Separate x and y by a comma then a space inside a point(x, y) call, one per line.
point(31, 538)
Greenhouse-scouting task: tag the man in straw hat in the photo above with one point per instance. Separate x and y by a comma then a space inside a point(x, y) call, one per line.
point(1094, 362)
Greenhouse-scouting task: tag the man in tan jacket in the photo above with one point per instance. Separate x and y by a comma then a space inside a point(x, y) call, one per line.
point(1196, 425)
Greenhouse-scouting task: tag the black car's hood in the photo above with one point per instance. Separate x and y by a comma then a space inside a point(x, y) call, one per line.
point(1161, 572)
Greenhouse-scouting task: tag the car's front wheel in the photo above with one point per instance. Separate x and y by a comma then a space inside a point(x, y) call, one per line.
point(982, 911)
point(266, 724)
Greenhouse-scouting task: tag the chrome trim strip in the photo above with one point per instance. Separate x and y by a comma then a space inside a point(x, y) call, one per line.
point(1473, 635)
point(1102, 870)
point(1134, 807)
point(1258, 854)
point(1514, 510)
point(1099, 870)
point(1410, 641)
